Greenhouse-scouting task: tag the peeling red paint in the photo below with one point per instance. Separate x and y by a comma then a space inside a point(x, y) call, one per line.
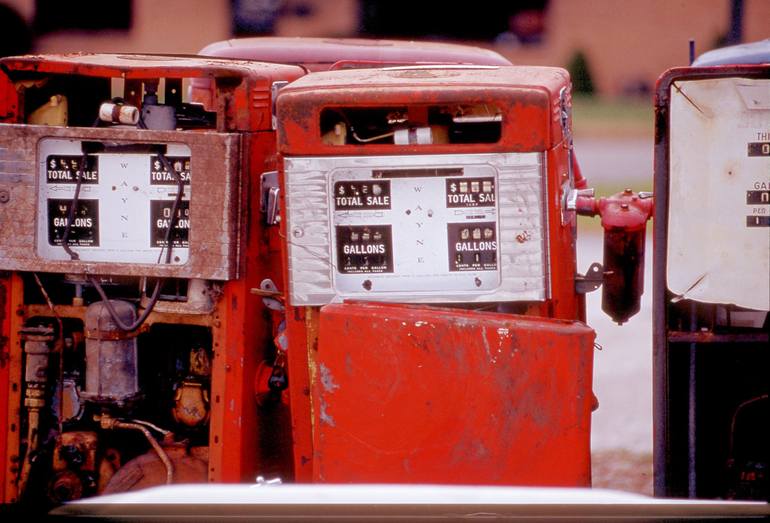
point(512, 405)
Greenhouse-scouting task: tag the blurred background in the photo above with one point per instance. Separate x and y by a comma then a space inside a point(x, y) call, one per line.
point(614, 49)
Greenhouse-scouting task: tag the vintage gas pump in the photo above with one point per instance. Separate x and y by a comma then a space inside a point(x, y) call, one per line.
point(130, 245)
point(433, 308)
point(712, 279)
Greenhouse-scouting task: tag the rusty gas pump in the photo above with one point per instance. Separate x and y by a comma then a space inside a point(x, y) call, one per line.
point(712, 277)
point(394, 298)
point(433, 310)
point(142, 321)
point(130, 335)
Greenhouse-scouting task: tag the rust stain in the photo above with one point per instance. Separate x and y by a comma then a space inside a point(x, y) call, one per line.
point(524, 236)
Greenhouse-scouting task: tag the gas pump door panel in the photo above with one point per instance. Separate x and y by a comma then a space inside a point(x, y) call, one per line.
point(719, 203)
point(441, 228)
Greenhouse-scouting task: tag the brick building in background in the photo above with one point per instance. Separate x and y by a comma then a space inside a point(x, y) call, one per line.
point(627, 43)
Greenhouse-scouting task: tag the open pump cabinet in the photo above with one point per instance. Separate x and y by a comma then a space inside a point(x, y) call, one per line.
point(712, 282)
point(130, 335)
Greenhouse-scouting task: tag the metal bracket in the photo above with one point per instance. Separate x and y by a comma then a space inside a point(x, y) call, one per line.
point(592, 280)
point(270, 295)
point(269, 195)
point(274, 88)
point(569, 198)
point(572, 197)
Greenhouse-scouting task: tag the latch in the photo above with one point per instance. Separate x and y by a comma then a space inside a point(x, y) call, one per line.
point(269, 195)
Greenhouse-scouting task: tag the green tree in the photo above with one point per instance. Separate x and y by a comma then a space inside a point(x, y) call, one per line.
point(580, 73)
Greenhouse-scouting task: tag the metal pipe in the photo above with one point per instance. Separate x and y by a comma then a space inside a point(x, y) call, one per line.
point(660, 373)
point(152, 426)
point(111, 423)
point(155, 445)
point(59, 345)
point(37, 352)
point(692, 477)
point(731, 444)
point(33, 424)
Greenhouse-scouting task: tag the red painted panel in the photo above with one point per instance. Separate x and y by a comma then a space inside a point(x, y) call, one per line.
point(425, 395)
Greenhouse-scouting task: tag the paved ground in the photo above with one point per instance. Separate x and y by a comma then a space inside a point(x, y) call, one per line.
point(622, 426)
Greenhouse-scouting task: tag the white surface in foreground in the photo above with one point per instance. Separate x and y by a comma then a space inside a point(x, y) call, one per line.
point(385, 495)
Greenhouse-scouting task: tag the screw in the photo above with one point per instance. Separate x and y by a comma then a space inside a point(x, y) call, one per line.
point(5, 195)
point(367, 285)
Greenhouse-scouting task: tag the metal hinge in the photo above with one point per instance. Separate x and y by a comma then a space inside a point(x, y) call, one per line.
point(569, 195)
point(269, 196)
point(274, 88)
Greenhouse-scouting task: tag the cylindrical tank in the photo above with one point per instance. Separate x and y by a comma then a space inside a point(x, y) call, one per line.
point(111, 355)
point(624, 219)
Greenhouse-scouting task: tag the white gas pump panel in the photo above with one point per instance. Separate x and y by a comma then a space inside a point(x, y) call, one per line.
point(719, 204)
point(441, 228)
point(124, 206)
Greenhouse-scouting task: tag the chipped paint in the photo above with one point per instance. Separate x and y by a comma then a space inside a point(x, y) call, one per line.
point(453, 409)
point(324, 416)
point(327, 380)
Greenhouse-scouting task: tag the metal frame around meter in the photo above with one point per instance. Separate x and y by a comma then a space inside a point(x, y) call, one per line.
point(438, 228)
point(124, 204)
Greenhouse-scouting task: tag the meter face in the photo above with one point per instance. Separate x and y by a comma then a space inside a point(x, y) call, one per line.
point(124, 205)
point(444, 221)
point(719, 204)
point(439, 228)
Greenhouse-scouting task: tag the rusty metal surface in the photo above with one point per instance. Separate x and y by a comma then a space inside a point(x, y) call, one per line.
point(715, 337)
point(417, 395)
point(79, 312)
point(216, 162)
point(528, 97)
point(315, 278)
point(83, 442)
point(665, 475)
point(12, 377)
point(191, 404)
point(147, 470)
point(144, 66)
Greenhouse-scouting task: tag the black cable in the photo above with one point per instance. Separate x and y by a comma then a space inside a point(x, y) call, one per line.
point(156, 292)
point(168, 241)
point(73, 207)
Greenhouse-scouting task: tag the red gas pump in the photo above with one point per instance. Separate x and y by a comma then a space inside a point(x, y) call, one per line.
point(130, 335)
point(447, 186)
